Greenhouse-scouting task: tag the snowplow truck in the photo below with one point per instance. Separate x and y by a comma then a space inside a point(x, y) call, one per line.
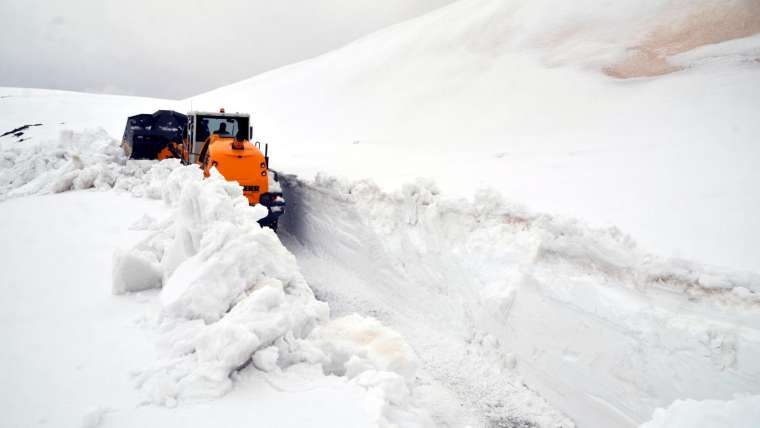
point(210, 140)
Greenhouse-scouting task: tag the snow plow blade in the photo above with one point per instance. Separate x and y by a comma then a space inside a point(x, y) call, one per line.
point(154, 136)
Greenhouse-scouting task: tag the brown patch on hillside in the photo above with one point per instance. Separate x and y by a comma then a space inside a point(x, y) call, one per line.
point(714, 24)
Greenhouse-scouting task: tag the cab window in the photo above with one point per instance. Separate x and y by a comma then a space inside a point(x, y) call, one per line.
point(224, 126)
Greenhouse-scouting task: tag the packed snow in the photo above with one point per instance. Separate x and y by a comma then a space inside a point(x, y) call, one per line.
point(581, 249)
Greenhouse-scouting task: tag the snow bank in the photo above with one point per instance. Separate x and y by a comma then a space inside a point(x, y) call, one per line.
point(739, 413)
point(75, 161)
point(606, 251)
point(135, 271)
point(78, 161)
point(493, 295)
point(233, 298)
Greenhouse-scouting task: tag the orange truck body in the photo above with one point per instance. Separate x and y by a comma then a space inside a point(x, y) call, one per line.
point(238, 161)
point(210, 140)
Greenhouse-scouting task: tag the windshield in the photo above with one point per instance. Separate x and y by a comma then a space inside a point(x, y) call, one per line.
point(224, 126)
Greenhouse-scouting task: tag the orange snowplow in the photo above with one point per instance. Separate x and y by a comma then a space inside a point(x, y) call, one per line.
point(210, 140)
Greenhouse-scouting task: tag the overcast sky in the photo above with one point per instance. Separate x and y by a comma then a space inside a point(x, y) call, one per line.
point(173, 48)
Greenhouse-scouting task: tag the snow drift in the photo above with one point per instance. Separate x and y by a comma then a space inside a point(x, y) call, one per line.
point(75, 161)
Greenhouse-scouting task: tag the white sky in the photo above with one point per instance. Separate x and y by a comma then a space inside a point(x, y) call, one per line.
point(172, 48)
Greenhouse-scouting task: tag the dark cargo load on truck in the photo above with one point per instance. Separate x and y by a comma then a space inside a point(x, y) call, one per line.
point(146, 136)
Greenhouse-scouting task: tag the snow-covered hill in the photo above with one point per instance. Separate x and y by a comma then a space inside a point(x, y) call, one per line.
point(533, 123)
point(513, 95)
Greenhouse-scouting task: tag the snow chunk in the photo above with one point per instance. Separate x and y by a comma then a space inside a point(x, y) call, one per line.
point(230, 288)
point(741, 412)
point(146, 222)
point(354, 344)
point(219, 251)
point(135, 270)
point(378, 360)
point(266, 359)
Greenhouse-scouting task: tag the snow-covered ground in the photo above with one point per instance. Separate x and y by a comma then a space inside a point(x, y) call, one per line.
point(68, 344)
point(233, 308)
point(491, 304)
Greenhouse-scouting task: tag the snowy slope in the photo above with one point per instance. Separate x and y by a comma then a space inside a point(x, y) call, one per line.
point(513, 95)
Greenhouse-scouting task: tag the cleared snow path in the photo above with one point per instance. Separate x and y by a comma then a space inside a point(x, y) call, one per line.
point(489, 294)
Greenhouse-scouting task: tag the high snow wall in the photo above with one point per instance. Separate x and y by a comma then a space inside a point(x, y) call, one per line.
point(605, 332)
